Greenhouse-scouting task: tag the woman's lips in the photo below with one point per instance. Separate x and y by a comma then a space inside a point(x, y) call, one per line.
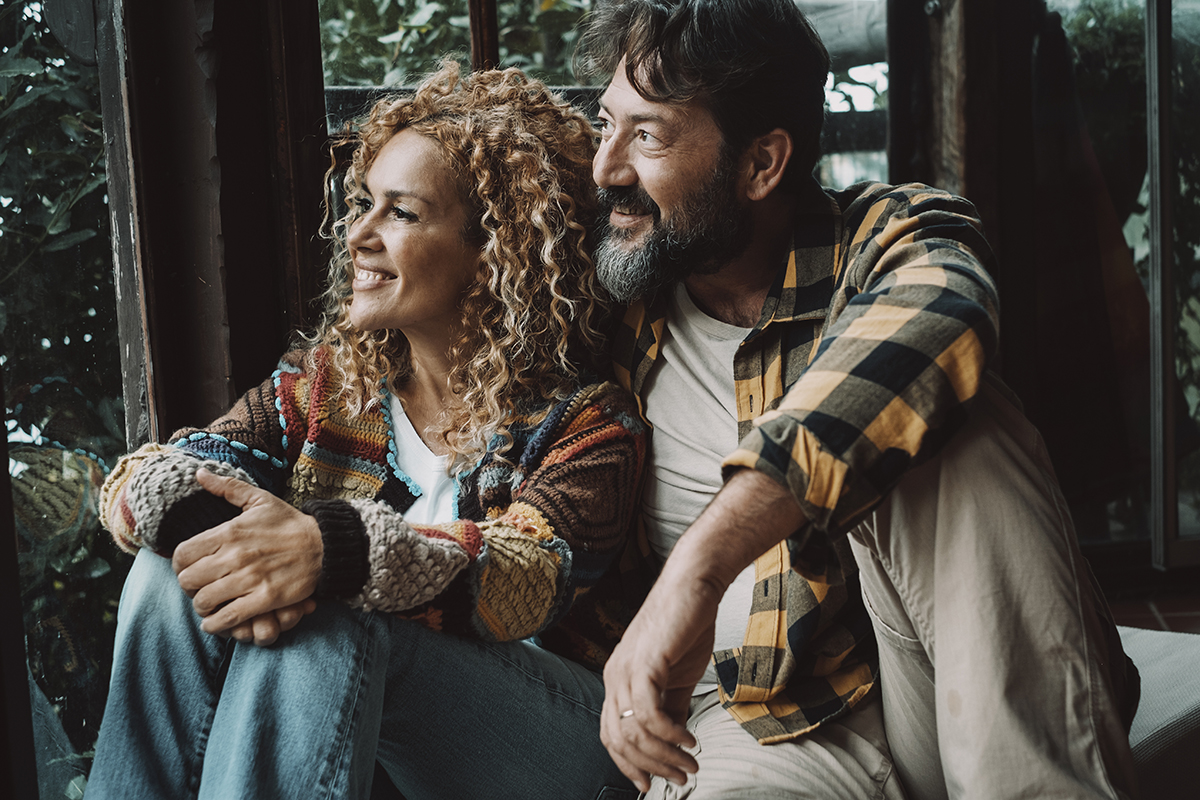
point(369, 279)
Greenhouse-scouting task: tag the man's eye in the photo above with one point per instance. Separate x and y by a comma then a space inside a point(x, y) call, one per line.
point(644, 136)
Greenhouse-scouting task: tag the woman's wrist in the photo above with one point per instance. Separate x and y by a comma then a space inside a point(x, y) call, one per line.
point(345, 564)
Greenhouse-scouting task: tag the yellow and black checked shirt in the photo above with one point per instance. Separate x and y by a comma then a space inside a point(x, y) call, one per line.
point(873, 338)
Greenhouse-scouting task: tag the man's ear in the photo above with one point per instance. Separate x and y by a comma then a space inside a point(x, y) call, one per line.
point(767, 158)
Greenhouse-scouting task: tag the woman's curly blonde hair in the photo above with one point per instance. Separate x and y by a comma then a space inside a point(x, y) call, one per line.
point(522, 159)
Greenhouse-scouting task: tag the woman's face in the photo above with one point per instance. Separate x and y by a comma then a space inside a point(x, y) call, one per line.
point(411, 265)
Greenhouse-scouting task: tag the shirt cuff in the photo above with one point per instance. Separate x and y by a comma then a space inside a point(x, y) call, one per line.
point(344, 566)
point(784, 450)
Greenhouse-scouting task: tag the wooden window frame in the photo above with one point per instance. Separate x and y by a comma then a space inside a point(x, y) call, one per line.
point(169, 380)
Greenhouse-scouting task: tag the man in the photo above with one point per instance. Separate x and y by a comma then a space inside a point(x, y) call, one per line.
point(826, 352)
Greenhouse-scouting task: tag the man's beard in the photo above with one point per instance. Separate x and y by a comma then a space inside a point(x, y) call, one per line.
point(707, 231)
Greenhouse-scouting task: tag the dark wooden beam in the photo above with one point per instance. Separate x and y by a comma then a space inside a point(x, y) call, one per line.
point(485, 34)
point(960, 118)
point(270, 128)
point(218, 187)
point(18, 765)
point(172, 63)
point(141, 425)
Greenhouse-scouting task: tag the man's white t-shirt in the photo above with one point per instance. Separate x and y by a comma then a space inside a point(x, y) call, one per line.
point(691, 403)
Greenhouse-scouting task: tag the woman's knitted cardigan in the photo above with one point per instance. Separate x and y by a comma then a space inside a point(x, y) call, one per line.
point(536, 529)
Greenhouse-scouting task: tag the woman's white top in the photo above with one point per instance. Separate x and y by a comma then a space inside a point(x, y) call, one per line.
point(426, 469)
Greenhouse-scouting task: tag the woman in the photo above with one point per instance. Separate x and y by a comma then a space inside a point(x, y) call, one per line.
point(435, 452)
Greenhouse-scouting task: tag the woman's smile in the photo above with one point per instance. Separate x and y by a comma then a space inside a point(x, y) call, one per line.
point(411, 262)
point(366, 279)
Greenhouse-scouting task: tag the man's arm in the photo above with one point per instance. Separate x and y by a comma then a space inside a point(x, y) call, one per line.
point(664, 652)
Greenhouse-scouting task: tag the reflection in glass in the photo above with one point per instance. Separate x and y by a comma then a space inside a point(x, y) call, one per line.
point(64, 418)
point(1185, 219)
point(1091, 257)
point(855, 136)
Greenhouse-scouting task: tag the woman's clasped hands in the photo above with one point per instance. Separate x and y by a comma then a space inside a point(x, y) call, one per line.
point(252, 577)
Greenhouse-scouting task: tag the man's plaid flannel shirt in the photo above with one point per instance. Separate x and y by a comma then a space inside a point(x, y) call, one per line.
point(871, 342)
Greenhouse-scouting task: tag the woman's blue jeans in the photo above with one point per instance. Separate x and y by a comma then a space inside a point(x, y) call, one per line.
point(194, 715)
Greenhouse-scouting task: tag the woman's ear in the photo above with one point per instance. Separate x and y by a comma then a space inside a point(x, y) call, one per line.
point(767, 159)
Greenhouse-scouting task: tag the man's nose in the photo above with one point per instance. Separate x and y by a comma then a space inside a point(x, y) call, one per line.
point(611, 166)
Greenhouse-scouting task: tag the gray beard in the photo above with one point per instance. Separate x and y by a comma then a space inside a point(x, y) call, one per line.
point(632, 274)
point(711, 230)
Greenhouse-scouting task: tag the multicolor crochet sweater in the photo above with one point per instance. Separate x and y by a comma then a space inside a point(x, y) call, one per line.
point(536, 529)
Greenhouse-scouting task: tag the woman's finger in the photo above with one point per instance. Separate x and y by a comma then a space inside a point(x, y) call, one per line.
point(243, 632)
point(234, 613)
point(240, 493)
point(290, 616)
point(196, 548)
point(266, 629)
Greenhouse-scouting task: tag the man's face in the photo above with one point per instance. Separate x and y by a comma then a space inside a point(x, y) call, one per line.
point(671, 190)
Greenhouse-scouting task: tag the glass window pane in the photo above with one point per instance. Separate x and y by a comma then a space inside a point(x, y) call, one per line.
point(395, 42)
point(390, 42)
point(854, 142)
point(539, 37)
point(64, 417)
point(1185, 209)
point(1093, 406)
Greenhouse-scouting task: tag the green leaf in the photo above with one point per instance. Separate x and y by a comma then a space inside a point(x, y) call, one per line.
point(423, 15)
point(28, 98)
point(19, 66)
point(61, 221)
point(67, 241)
point(95, 568)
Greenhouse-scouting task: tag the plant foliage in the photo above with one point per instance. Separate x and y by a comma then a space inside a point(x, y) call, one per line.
point(58, 344)
point(395, 42)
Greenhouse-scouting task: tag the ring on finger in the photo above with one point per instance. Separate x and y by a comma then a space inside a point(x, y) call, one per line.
point(627, 713)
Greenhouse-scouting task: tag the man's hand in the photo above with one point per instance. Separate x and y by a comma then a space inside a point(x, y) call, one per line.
point(265, 560)
point(662, 655)
point(652, 674)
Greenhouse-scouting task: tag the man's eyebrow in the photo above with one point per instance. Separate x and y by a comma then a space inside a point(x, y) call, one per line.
point(644, 116)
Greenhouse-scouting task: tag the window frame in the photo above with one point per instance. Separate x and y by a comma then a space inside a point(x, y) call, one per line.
point(990, 39)
point(1168, 547)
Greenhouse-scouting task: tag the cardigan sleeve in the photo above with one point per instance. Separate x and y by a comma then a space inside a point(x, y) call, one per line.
point(151, 498)
point(517, 572)
point(913, 324)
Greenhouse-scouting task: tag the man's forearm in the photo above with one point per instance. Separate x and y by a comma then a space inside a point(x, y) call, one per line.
point(750, 514)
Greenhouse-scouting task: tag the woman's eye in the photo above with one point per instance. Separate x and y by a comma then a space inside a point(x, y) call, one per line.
point(363, 204)
point(400, 213)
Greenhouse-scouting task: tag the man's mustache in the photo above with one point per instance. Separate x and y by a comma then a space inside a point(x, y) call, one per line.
point(629, 199)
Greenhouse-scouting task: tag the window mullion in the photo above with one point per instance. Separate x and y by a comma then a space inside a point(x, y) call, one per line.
point(485, 34)
point(1164, 525)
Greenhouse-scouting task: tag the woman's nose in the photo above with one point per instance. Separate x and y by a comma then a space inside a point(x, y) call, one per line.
point(361, 234)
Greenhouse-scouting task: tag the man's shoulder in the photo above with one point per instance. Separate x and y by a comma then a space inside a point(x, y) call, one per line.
point(871, 200)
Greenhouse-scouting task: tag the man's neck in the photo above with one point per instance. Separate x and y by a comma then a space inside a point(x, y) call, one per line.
point(735, 294)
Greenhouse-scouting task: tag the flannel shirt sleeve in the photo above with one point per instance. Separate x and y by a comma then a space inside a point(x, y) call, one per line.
point(518, 571)
point(912, 326)
point(151, 499)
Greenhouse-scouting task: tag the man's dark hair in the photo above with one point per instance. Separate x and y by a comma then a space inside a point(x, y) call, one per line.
point(756, 64)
